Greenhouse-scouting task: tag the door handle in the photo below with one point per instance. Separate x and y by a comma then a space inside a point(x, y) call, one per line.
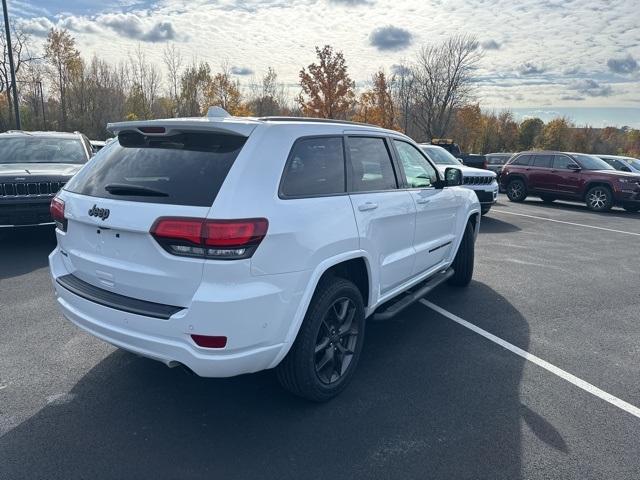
point(367, 206)
point(423, 201)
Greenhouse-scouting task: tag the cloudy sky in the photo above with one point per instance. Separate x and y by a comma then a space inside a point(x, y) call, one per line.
point(578, 58)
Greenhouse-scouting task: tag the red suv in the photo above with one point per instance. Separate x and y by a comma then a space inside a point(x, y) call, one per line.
point(570, 176)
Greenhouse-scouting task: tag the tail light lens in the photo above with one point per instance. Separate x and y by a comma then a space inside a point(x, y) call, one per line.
point(57, 213)
point(212, 239)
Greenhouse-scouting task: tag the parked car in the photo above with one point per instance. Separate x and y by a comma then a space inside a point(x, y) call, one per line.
point(570, 176)
point(233, 245)
point(495, 162)
point(469, 159)
point(624, 164)
point(482, 182)
point(33, 167)
point(97, 145)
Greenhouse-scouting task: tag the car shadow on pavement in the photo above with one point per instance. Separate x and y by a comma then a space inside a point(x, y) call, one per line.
point(581, 208)
point(25, 249)
point(493, 225)
point(430, 399)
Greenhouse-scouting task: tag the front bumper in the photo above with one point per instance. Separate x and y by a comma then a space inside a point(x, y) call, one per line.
point(24, 213)
point(487, 196)
point(256, 325)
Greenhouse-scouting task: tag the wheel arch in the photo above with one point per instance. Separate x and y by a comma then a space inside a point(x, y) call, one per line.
point(354, 264)
point(597, 183)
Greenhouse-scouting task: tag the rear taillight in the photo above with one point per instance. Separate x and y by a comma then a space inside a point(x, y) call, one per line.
point(213, 239)
point(57, 213)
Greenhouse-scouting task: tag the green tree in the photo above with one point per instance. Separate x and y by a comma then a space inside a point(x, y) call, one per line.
point(528, 133)
point(556, 135)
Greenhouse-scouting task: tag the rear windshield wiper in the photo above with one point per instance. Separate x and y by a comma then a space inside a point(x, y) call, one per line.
point(124, 189)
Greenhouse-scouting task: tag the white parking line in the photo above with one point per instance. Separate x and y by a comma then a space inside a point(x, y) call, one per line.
point(587, 387)
point(567, 223)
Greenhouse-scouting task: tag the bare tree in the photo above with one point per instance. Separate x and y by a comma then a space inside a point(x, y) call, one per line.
point(402, 83)
point(145, 80)
point(443, 81)
point(21, 57)
point(172, 59)
point(268, 96)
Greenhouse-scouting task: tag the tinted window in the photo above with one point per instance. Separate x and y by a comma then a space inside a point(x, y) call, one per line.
point(522, 160)
point(183, 169)
point(32, 149)
point(497, 159)
point(543, 161)
point(562, 162)
point(440, 156)
point(419, 173)
point(315, 167)
point(589, 162)
point(370, 163)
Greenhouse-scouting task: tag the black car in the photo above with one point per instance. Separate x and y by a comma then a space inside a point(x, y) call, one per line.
point(33, 167)
point(495, 161)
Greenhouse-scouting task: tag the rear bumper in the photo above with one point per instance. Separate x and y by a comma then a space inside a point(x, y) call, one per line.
point(256, 326)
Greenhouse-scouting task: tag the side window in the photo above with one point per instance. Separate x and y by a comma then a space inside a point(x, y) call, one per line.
point(370, 163)
point(315, 167)
point(543, 161)
point(522, 160)
point(418, 171)
point(562, 162)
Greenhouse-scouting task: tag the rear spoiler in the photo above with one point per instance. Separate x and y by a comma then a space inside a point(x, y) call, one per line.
point(237, 127)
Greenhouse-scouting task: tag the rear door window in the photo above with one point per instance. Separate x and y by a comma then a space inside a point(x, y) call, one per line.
point(184, 169)
point(370, 164)
point(544, 161)
point(315, 167)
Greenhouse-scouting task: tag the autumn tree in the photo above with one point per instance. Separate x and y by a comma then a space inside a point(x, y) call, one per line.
point(556, 135)
point(467, 127)
point(529, 132)
point(327, 89)
point(223, 91)
point(376, 105)
point(145, 78)
point(64, 61)
point(443, 82)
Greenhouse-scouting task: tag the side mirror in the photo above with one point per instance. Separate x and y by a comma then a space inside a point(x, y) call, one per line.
point(452, 177)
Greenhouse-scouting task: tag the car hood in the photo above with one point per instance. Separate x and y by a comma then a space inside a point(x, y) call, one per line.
point(477, 172)
point(26, 170)
point(615, 173)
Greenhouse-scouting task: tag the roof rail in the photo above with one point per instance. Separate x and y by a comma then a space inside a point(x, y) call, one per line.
point(314, 120)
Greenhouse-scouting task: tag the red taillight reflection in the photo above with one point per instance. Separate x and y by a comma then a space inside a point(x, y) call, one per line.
point(208, 341)
point(56, 208)
point(152, 129)
point(235, 233)
point(215, 239)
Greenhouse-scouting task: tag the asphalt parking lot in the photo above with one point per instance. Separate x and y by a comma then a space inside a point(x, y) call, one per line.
point(431, 398)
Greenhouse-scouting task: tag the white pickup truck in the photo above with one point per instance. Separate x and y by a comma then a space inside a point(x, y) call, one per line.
point(233, 245)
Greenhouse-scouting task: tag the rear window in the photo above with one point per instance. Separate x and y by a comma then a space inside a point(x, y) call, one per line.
point(315, 167)
point(184, 169)
point(497, 159)
point(44, 149)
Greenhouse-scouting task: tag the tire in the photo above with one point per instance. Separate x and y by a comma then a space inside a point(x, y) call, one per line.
point(484, 210)
point(301, 372)
point(516, 190)
point(463, 262)
point(632, 208)
point(547, 199)
point(599, 199)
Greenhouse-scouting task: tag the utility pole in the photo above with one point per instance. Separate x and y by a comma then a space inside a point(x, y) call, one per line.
point(13, 71)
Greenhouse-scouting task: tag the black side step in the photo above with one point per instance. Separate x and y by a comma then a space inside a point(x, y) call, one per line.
point(412, 296)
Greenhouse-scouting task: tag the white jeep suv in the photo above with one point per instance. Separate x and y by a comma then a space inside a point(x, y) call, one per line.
point(233, 245)
point(483, 182)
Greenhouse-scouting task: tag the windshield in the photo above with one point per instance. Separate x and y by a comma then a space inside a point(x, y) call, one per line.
point(440, 156)
point(30, 149)
point(589, 162)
